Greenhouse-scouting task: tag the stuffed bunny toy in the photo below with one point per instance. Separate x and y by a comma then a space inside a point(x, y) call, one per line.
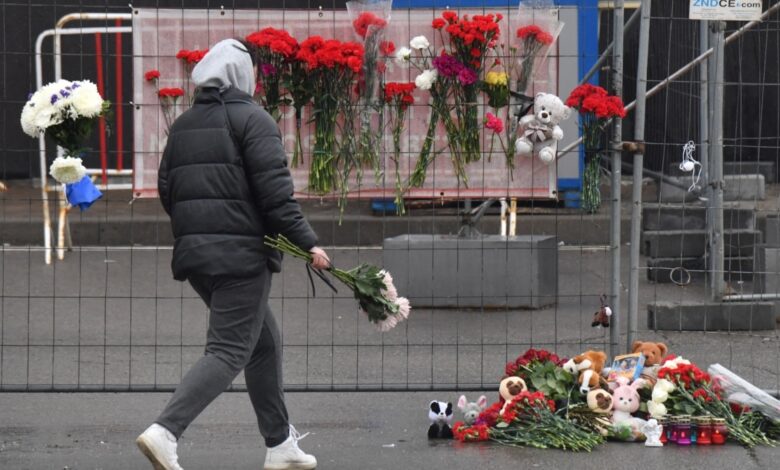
point(471, 410)
point(625, 401)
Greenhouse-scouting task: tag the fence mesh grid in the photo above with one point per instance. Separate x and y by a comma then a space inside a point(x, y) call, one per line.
point(110, 317)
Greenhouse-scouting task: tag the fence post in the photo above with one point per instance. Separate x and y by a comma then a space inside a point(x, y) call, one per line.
point(617, 139)
point(639, 137)
point(715, 181)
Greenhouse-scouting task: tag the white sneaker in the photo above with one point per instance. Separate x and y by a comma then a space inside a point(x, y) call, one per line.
point(288, 456)
point(159, 446)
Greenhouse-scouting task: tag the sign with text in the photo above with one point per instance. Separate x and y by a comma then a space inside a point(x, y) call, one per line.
point(726, 10)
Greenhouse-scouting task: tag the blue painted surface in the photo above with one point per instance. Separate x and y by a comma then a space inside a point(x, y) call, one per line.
point(588, 40)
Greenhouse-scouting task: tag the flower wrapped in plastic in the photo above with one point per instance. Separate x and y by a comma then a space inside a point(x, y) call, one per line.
point(371, 286)
point(66, 111)
point(597, 108)
point(369, 21)
point(398, 97)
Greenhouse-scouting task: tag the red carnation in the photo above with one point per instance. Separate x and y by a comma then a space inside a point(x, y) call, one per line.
point(367, 19)
point(152, 75)
point(450, 16)
point(438, 23)
point(387, 47)
point(170, 93)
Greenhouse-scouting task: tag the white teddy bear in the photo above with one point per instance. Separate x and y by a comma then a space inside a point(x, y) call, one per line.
point(538, 132)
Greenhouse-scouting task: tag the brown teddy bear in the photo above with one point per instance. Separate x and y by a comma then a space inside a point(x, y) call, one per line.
point(654, 352)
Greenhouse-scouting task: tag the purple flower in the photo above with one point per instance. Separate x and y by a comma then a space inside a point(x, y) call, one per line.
point(466, 76)
point(54, 99)
point(29, 96)
point(75, 85)
point(447, 66)
point(64, 93)
point(267, 70)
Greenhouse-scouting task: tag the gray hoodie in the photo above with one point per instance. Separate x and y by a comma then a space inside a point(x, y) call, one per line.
point(226, 65)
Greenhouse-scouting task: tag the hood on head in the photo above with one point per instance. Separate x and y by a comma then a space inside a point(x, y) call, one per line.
point(226, 65)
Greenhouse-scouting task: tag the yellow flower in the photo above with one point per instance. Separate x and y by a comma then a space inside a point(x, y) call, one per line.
point(496, 78)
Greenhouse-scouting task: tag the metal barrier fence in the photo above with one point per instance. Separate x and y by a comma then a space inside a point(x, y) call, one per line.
point(108, 316)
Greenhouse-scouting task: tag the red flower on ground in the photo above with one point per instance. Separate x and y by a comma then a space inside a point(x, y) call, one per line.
point(278, 41)
point(191, 57)
point(438, 23)
point(152, 75)
point(494, 123)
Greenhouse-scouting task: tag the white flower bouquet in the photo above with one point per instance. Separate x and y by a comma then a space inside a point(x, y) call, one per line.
point(373, 287)
point(65, 111)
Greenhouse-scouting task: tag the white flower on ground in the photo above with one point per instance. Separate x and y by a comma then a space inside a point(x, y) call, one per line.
point(656, 410)
point(659, 396)
point(67, 170)
point(402, 56)
point(387, 324)
point(419, 43)
point(674, 363)
point(425, 80)
point(665, 385)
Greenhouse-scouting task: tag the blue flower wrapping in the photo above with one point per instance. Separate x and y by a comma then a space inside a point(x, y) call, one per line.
point(83, 193)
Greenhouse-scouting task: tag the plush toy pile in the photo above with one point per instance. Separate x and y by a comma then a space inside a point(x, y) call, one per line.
point(648, 396)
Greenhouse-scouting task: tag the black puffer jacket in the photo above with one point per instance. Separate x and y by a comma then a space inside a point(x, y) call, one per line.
point(225, 192)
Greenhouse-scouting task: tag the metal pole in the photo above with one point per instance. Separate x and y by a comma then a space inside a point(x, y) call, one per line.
point(716, 74)
point(605, 55)
point(617, 147)
point(639, 136)
point(687, 68)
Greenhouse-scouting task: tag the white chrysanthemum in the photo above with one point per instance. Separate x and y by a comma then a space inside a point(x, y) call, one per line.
point(656, 410)
point(86, 100)
point(419, 43)
point(387, 324)
point(425, 80)
point(67, 170)
point(404, 307)
point(402, 56)
point(46, 117)
point(28, 119)
point(389, 292)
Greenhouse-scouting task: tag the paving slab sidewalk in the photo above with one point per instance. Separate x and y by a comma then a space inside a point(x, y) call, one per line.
point(348, 431)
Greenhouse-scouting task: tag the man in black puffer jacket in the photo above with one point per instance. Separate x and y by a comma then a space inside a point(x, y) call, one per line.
point(224, 181)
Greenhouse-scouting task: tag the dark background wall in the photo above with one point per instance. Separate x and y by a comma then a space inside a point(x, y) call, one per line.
point(752, 106)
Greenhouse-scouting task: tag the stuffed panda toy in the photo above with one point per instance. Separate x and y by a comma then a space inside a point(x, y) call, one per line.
point(440, 414)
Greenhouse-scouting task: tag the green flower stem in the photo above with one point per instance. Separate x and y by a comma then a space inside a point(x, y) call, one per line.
point(417, 179)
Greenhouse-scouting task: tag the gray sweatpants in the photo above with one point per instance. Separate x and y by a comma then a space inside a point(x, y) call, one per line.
point(242, 335)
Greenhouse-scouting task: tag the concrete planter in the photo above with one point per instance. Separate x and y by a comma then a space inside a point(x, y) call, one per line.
point(490, 271)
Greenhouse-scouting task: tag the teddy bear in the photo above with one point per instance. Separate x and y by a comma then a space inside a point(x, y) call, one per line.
point(587, 367)
point(654, 356)
point(509, 387)
point(539, 132)
point(471, 410)
point(625, 402)
point(654, 352)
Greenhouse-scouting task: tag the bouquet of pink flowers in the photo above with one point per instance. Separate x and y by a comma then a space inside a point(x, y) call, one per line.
point(372, 287)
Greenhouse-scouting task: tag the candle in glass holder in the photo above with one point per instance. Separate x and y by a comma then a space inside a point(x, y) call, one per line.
point(719, 431)
point(703, 431)
point(664, 423)
point(673, 432)
point(683, 431)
